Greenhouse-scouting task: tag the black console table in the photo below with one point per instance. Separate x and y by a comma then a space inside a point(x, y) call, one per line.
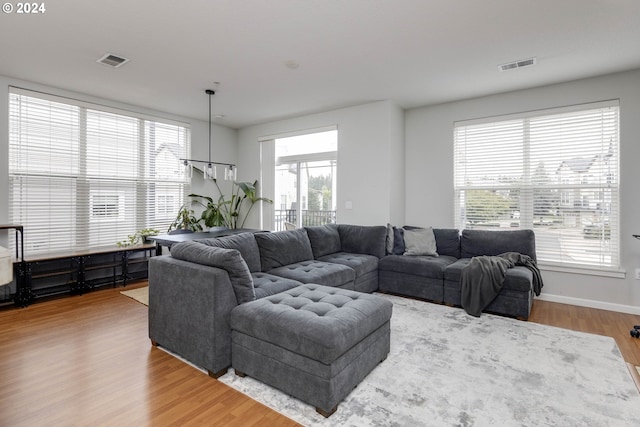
point(76, 272)
point(169, 239)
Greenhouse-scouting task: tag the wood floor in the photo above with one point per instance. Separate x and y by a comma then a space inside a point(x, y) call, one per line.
point(87, 361)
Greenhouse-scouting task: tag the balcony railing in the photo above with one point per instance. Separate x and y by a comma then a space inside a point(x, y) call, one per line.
point(309, 218)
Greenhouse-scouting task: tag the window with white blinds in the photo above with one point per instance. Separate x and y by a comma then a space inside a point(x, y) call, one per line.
point(83, 176)
point(553, 171)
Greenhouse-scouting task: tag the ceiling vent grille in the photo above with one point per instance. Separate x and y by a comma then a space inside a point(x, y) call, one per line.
point(517, 64)
point(112, 60)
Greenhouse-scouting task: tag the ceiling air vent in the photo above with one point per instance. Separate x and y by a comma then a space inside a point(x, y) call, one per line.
point(114, 61)
point(517, 64)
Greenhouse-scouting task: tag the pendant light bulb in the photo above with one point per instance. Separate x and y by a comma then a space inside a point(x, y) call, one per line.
point(208, 171)
point(188, 169)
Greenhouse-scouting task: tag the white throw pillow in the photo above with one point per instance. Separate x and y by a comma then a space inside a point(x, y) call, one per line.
point(420, 241)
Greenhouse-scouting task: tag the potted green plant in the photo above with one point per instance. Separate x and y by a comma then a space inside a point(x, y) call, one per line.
point(137, 237)
point(185, 220)
point(230, 213)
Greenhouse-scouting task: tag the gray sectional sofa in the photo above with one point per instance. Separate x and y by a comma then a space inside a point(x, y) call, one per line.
point(194, 291)
point(437, 278)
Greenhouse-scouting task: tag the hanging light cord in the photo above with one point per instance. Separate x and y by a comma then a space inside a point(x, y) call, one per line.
point(210, 92)
point(209, 162)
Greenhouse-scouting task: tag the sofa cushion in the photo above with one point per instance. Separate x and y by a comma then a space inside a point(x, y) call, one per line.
point(227, 259)
point(495, 242)
point(424, 266)
point(243, 242)
point(324, 239)
point(448, 241)
point(360, 239)
point(283, 248)
point(267, 284)
point(361, 263)
point(420, 241)
point(312, 271)
point(517, 278)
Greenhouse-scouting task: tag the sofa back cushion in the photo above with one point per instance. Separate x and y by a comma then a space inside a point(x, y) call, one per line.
point(495, 242)
point(245, 243)
point(282, 248)
point(362, 239)
point(448, 241)
point(227, 259)
point(324, 239)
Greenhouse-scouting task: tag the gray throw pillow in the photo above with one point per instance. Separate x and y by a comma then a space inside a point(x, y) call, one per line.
point(226, 259)
point(398, 241)
point(389, 241)
point(420, 241)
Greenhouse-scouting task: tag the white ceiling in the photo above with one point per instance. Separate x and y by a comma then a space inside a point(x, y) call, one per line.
point(413, 52)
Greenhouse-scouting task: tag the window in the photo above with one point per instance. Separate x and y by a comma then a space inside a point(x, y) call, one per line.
point(105, 207)
point(84, 176)
point(306, 173)
point(553, 171)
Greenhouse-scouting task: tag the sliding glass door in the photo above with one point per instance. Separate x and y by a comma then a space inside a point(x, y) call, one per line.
point(305, 180)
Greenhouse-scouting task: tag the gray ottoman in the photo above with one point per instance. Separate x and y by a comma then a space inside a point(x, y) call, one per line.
point(313, 342)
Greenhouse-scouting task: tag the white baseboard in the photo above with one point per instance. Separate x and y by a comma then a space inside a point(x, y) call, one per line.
point(629, 309)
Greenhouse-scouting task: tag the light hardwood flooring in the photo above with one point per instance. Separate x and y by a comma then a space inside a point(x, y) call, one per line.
point(87, 361)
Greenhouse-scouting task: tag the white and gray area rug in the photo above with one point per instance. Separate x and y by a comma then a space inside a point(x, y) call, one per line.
point(447, 368)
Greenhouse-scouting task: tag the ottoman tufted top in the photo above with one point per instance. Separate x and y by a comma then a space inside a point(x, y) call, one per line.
point(317, 272)
point(316, 321)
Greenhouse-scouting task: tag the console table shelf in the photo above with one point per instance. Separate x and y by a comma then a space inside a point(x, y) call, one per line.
point(76, 272)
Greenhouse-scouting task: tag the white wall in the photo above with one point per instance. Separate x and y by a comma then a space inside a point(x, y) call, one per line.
point(429, 176)
point(223, 147)
point(370, 170)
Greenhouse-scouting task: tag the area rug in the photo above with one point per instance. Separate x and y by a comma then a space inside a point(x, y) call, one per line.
point(139, 294)
point(447, 368)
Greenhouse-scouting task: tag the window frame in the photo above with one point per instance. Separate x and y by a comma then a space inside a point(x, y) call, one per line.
point(148, 172)
point(527, 187)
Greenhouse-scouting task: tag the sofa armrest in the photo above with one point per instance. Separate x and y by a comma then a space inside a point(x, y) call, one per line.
point(189, 310)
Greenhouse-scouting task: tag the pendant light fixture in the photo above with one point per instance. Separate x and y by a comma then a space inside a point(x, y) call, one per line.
point(209, 170)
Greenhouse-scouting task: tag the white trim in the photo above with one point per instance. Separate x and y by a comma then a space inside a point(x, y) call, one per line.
point(620, 308)
point(298, 133)
point(95, 106)
point(617, 274)
point(312, 157)
point(537, 113)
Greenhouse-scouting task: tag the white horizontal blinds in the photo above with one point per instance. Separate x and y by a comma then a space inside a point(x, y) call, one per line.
point(553, 171)
point(44, 151)
point(485, 182)
point(81, 177)
point(110, 178)
point(166, 184)
point(576, 186)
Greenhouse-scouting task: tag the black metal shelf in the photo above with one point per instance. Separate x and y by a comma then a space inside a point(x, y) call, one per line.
point(82, 271)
